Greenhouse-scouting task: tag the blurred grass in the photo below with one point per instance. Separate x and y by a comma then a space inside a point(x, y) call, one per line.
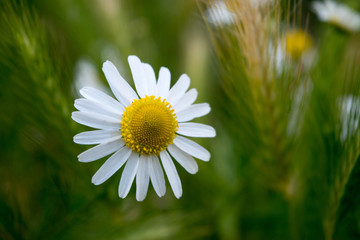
point(242, 193)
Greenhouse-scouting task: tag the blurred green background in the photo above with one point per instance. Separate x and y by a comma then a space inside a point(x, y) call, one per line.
point(47, 48)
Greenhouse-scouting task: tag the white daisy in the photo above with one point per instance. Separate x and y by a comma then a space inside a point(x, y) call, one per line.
point(338, 14)
point(140, 128)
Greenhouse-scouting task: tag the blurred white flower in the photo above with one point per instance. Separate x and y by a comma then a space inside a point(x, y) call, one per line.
point(349, 115)
point(338, 14)
point(300, 98)
point(219, 14)
point(260, 3)
point(141, 127)
point(86, 74)
point(295, 48)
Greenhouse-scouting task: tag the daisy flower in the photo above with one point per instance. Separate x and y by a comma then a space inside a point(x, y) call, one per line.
point(338, 14)
point(142, 128)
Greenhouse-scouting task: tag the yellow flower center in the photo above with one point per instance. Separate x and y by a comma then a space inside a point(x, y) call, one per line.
point(148, 125)
point(297, 42)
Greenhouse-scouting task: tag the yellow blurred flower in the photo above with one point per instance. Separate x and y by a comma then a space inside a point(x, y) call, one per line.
point(297, 42)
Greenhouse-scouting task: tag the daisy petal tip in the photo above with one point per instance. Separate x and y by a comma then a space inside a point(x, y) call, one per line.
point(133, 58)
point(208, 105)
point(213, 133)
point(95, 181)
point(75, 116)
point(140, 199)
point(207, 157)
point(179, 195)
point(185, 77)
point(81, 158)
point(72, 115)
point(108, 66)
point(162, 68)
point(122, 194)
point(106, 63)
point(194, 170)
point(82, 90)
point(163, 193)
point(160, 195)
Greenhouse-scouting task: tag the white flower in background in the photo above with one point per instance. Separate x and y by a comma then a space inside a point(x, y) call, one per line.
point(349, 115)
point(338, 14)
point(219, 14)
point(142, 127)
point(86, 74)
point(260, 3)
point(294, 48)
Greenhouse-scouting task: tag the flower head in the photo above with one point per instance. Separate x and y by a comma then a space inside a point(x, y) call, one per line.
point(140, 128)
point(338, 14)
point(297, 42)
point(294, 49)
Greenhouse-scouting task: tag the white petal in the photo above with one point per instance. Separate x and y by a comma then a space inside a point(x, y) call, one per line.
point(321, 10)
point(163, 84)
point(86, 105)
point(178, 90)
point(128, 174)
point(151, 79)
point(96, 120)
point(186, 100)
point(157, 176)
point(138, 74)
point(142, 178)
point(101, 98)
point(97, 136)
point(184, 159)
point(100, 151)
point(111, 166)
point(192, 148)
point(121, 89)
point(194, 111)
point(196, 130)
point(171, 173)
